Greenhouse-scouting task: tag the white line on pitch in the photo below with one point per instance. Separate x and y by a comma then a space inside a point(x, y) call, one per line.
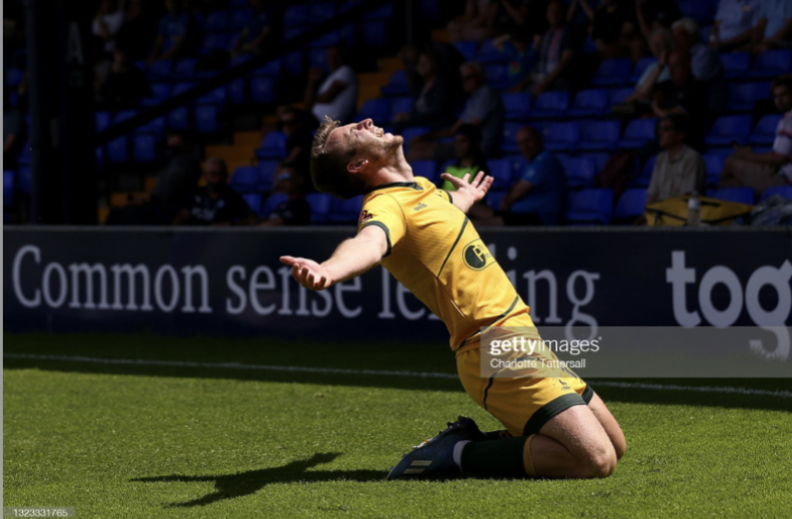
point(339, 371)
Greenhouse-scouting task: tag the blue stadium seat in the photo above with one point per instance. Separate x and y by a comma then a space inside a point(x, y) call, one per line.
point(245, 179)
point(160, 69)
point(400, 105)
point(562, 136)
point(273, 146)
point(8, 187)
point(516, 106)
point(184, 69)
point(253, 200)
point(155, 127)
point(549, 105)
point(410, 133)
point(102, 121)
point(349, 35)
point(272, 69)
point(426, 169)
point(772, 63)
point(295, 15)
point(497, 76)
point(144, 147)
point(345, 211)
point(25, 157)
point(293, 63)
point(714, 165)
point(743, 96)
point(239, 18)
point(216, 22)
point(273, 201)
point(237, 91)
point(728, 129)
point(217, 41)
point(640, 68)
point(320, 206)
point(374, 33)
point(13, 77)
point(487, 53)
point(378, 110)
point(579, 171)
point(123, 115)
point(494, 199)
point(784, 191)
point(266, 174)
point(502, 173)
point(600, 159)
point(645, 176)
point(160, 91)
point(383, 13)
point(743, 195)
point(590, 206)
point(262, 90)
point(317, 58)
point(589, 103)
point(736, 64)
point(216, 97)
point(699, 10)
point(631, 203)
point(397, 85)
point(293, 32)
point(328, 40)
point(179, 88)
point(612, 72)
point(638, 133)
point(117, 150)
point(765, 131)
point(318, 13)
point(206, 119)
point(599, 135)
point(618, 95)
point(509, 140)
point(468, 49)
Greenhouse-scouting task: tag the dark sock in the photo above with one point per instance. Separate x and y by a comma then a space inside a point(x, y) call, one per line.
point(497, 435)
point(503, 457)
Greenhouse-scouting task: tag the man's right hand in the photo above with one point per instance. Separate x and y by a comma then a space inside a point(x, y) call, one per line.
point(308, 273)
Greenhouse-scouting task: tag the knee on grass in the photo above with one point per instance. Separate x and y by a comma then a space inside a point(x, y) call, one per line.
point(598, 462)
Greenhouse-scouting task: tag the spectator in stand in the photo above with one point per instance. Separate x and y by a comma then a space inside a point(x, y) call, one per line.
point(478, 22)
point(14, 124)
point(124, 85)
point(679, 169)
point(175, 182)
point(734, 23)
point(483, 108)
point(215, 204)
point(432, 106)
point(299, 139)
point(538, 197)
point(469, 159)
point(138, 33)
point(654, 14)
point(259, 31)
point(613, 28)
point(760, 171)
point(107, 23)
point(661, 44)
point(176, 36)
point(774, 26)
point(681, 94)
point(295, 209)
point(336, 96)
point(556, 53)
point(518, 47)
point(705, 62)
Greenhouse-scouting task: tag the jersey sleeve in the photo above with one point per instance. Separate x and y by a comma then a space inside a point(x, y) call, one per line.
point(384, 212)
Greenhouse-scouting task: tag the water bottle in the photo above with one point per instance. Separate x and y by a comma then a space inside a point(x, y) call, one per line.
point(694, 210)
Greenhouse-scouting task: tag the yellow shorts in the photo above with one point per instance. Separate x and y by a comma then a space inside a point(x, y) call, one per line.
point(523, 401)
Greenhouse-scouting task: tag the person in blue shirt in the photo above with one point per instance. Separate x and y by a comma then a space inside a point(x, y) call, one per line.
point(538, 197)
point(176, 34)
point(518, 48)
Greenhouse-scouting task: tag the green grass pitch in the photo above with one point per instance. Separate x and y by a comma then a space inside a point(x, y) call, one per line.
point(138, 440)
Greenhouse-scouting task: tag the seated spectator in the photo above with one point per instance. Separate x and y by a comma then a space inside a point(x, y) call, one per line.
point(295, 209)
point(555, 53)
point(432, 104)
point(138, 33)
point(259, 30)
point(176, 36)
point(469, 159)
point(679, 169)
point(216, 203)
point(478, 22)
point(705, 62)
point(655, 14)
point(538, 197)
point(14, 126)
point(124, 85)
point(661, 44)
point(734, 24)
point(175, 182)
point(518, 47)
point(336, 96)
point(760, 171)
point(773, 27)
point(613, 28)
point(483, 108)
point(299, 139)
point(681, 94)
point(107, 23)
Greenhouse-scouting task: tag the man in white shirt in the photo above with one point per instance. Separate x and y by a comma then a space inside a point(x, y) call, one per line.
point(760, 171)
point(679, 169)
point(336, 97)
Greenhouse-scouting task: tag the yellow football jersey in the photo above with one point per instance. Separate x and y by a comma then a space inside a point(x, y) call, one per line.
point(436, 253)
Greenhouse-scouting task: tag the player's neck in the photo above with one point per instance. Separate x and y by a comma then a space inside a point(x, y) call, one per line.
point(396, 169)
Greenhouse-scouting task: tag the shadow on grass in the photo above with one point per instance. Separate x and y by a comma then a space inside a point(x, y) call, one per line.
point(243, 484)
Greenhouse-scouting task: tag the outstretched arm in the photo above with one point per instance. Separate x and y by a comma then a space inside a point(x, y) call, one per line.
point(352, 258)
point(468, 193)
